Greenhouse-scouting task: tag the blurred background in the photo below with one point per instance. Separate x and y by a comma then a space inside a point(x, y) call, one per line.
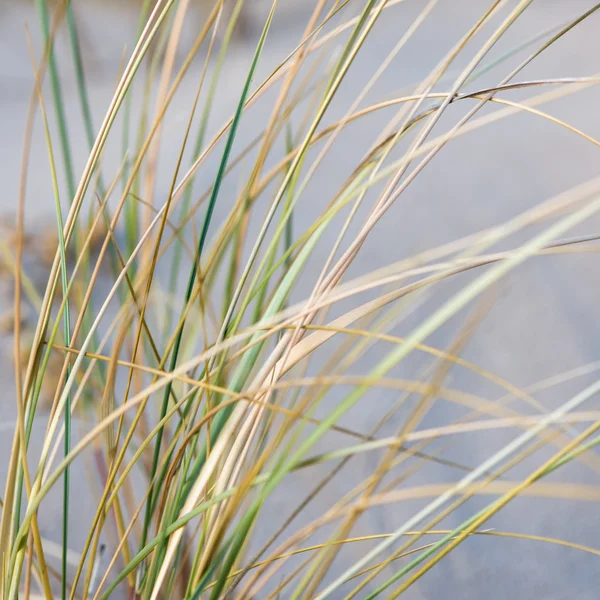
point(540, 328)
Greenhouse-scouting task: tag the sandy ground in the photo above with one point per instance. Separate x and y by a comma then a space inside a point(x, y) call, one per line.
point(545, 318)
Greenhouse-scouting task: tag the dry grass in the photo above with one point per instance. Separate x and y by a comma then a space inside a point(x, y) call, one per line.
point(170, 324)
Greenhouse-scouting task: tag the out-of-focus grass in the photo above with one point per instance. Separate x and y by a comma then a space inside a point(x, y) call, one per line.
point(218, 403)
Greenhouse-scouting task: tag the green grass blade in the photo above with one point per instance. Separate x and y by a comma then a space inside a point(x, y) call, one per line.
point(200, 248)
point(61, 119)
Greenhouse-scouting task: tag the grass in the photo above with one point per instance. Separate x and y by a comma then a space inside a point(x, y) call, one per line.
point(202, 352)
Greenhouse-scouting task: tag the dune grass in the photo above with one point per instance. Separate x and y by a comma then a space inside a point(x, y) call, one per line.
point(172, 327)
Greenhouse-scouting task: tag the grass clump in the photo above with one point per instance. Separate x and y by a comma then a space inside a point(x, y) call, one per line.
point(204, 332)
